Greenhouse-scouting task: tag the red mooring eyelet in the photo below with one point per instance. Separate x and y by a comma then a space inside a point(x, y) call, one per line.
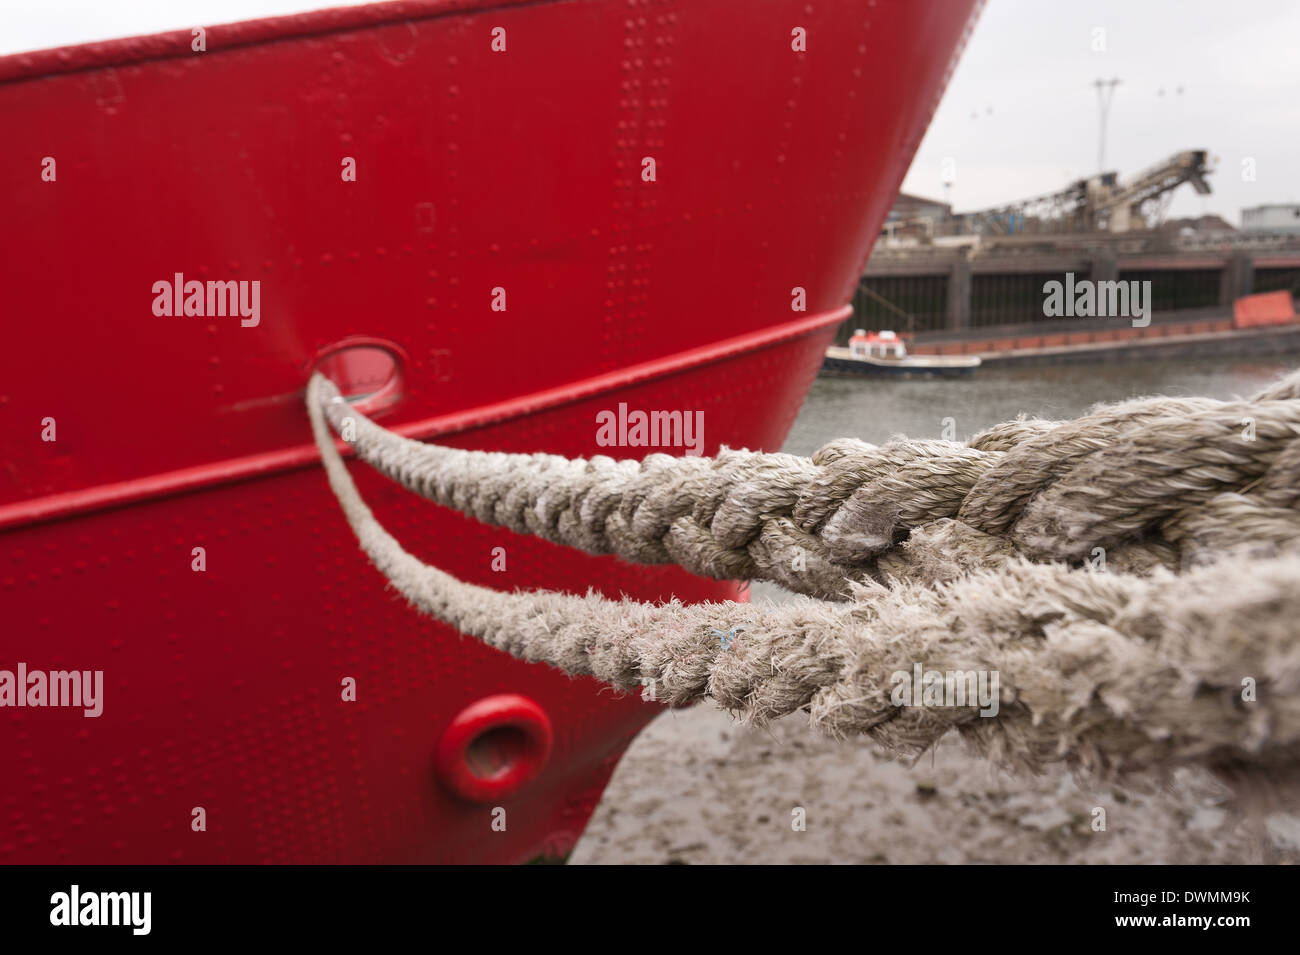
point(369, 372)
point(493, 747)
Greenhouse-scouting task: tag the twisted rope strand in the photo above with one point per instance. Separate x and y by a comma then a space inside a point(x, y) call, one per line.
point(1112, 673)
point(1143, 478)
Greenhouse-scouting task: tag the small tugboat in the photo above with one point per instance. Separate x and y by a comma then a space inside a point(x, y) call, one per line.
point(883, 353)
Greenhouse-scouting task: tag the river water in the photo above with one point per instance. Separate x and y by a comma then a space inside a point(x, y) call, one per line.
point(874, 409)
point(696, 788)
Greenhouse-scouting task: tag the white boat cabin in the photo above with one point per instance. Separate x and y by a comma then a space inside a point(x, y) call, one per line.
point(876, 345)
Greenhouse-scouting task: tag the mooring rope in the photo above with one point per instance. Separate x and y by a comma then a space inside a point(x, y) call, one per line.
point(1153, 482)
point(1110, 672)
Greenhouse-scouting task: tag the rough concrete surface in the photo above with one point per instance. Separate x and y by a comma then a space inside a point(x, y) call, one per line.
point(697, 788)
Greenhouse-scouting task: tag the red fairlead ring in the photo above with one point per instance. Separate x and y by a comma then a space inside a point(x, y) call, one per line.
point(493, 747)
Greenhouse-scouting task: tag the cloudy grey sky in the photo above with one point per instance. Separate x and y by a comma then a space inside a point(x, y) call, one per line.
point(1031, 62)
point(1020, 116)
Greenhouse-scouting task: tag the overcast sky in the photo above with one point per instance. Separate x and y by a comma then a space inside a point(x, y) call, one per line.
point(1020, 115)
point(1031, 62)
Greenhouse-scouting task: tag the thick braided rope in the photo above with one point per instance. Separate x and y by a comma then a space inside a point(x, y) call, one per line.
point(1108, 672)
point(1154, 481)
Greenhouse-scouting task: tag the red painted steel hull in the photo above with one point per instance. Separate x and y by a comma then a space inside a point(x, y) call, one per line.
point(475, 170)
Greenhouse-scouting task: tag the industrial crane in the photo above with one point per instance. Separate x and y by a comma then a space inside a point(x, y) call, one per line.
point(1099, 203)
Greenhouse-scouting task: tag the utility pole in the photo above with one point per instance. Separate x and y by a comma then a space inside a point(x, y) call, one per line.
point(1105, 93)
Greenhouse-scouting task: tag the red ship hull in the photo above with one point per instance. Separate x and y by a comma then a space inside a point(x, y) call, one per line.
point(476, 170)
